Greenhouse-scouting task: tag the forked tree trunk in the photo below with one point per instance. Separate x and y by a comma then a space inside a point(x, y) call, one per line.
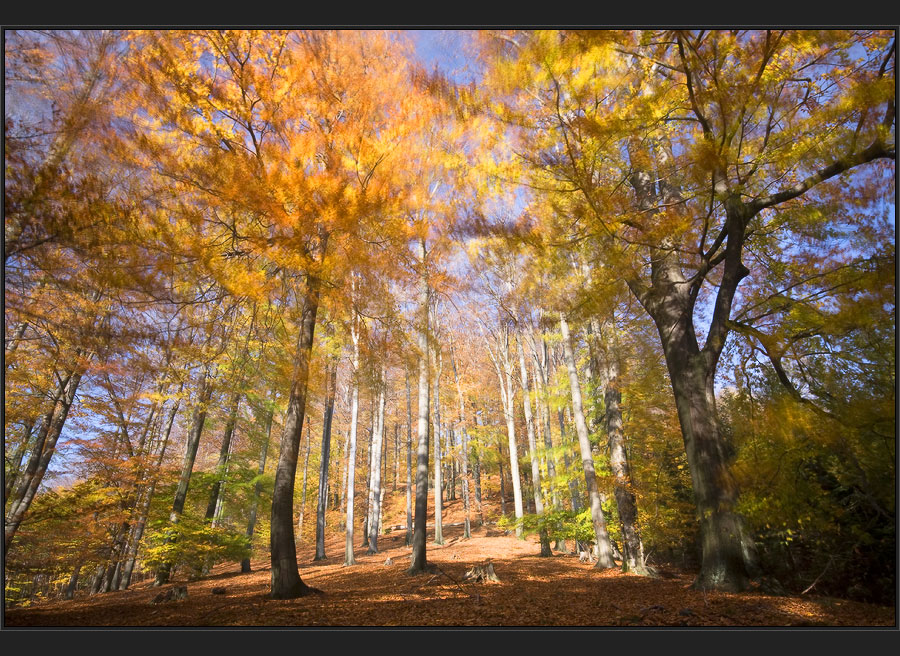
point(728, 555)
point(726, 550)
point(602, 545)
point(286, 581)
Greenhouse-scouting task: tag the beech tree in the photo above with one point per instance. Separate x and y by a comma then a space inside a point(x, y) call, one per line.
point(721, 131)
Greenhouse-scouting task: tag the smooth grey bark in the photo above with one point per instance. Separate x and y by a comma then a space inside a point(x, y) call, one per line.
point(375, 492)
point(419, 559)
point(504, 367)
point(602, 546)
point(408, 463)
point(257, 488)
point(285, 575)
point(354, 420)
point(198, 418)
point(502, 479)
point(325, 462)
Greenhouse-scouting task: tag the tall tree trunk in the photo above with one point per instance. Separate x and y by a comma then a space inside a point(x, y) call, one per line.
point(502, 484)
point(375, 493)
point(602, 545)
point(508, 398)
point(325, 462)
point(408, 463)
point(224, 450)
point(728, 554)
point(351, 457)
point(305, 477)
point(532, 449)
point(573, 485)
point(147, 499)
point(633, 549)
point(187, 466)
point(72, 585)
point(725, 547)
point(15, 464)
point(257, 489)
point(41, 454)
point(464, 448)
point(438, 486)
point(477, 474)
point(286, 581)
point(419, 563)
point(368, 507)
point(541, 363)
point(342, 524)
point(396, 457)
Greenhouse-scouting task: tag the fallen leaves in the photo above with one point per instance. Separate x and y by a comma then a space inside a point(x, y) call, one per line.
point(532, 591)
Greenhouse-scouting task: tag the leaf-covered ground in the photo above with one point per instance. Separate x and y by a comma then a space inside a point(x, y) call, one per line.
point(533, 591)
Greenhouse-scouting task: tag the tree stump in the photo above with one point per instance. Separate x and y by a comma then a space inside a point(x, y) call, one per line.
point(482, 574)
point(172, 594)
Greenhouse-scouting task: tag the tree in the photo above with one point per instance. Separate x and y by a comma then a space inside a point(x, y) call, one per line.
point(711, 123)
point(419, 563)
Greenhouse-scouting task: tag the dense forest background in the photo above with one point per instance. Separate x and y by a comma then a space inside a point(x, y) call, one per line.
point(635, 286)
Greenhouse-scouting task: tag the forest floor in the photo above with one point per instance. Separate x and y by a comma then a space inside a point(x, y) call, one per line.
point(532, 591)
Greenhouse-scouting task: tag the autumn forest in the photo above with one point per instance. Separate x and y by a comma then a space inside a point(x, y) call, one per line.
point(480, 327)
